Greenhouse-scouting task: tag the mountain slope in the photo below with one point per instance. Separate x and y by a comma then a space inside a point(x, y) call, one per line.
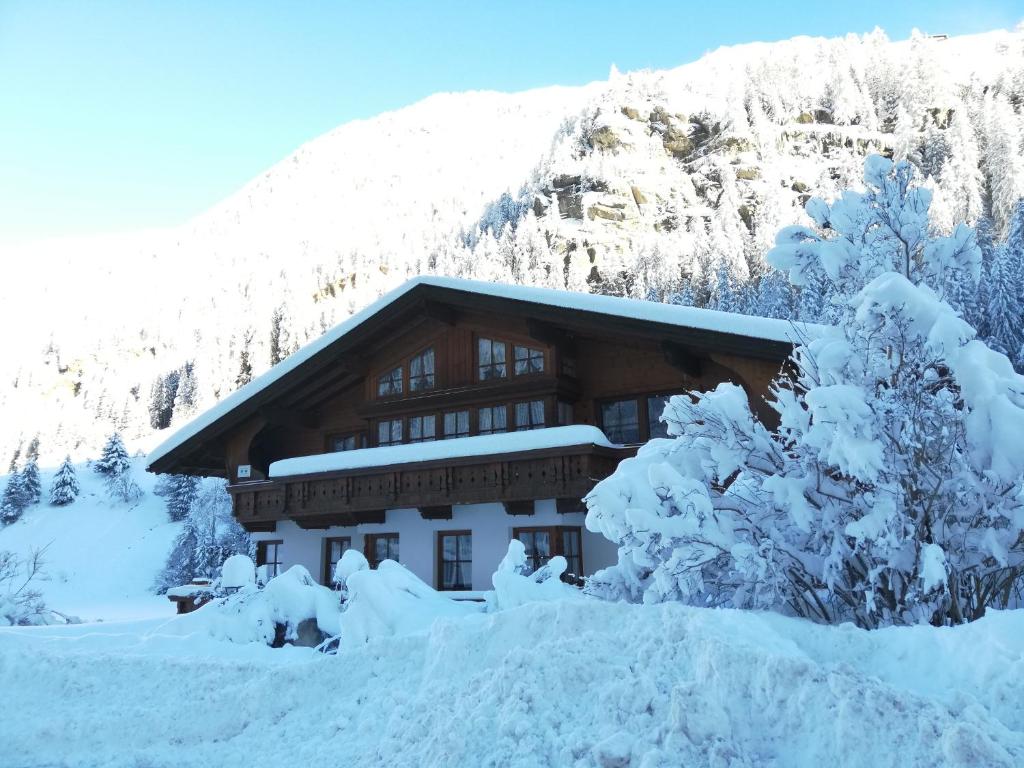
point(626, 186)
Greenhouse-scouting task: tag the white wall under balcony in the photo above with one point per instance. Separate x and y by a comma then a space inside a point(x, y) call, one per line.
point(490, 525)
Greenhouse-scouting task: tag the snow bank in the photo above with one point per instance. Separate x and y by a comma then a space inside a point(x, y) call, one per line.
point(581, 683)
point(477, 445)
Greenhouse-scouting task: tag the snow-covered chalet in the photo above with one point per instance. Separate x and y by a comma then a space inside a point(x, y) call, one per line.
point(451, 416)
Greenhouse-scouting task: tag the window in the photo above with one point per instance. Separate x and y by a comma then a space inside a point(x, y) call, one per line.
point(491, 359)
point(491, 420)
point(528, 360)
point(337, 443)
point(421, 371)
point(334, 548)
point(544, 543)
point(381, 546)
point(456, 424)
point(268, 553)
point(564, 413)
point(390, 383)
point(530, 415)
point(655, 406)
point(620, 421)
point(455, 560)
point(421, 428)
point(389, 432)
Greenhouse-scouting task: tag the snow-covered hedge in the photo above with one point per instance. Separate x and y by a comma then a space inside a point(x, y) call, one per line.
point(890, 492)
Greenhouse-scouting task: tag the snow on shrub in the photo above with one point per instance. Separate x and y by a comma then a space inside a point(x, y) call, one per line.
point(290, 605)
point(390, 601)
point(514, 585)
point(891, 490)
point(238, 571)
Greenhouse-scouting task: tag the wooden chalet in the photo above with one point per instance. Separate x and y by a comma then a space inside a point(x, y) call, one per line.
point(451, 416)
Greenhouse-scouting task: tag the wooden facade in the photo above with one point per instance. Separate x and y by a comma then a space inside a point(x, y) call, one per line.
point(444, 362)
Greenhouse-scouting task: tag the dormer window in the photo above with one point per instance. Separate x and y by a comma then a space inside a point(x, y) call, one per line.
point(390, 383)
point(421, 371)
point(491, 359)
point(528, 360)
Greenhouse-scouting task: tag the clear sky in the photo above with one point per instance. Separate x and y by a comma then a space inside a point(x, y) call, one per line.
point(117, 116)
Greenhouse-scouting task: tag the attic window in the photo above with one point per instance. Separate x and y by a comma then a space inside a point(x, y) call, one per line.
point(421, 371)
point(528, 360)
point(390, 383)
point(491, 359)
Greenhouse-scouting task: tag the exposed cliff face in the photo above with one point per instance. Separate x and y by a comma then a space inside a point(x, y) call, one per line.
point(622, 186)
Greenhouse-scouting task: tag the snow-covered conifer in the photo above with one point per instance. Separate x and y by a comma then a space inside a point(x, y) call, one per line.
point(64, 488)
point(31, 483)
point(114, 458)
point(181, 494)
point(13, 501)
point(889, 492)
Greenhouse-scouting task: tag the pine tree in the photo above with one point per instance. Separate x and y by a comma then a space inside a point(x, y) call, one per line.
point(12, 503)
point(64, 488)
point(244, 368)
point(276, 353)
point(182, 491)
point(186, 398)
point(32, 452)
point(31, 483)
point(114, 459)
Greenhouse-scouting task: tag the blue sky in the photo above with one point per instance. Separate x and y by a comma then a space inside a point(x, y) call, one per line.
point(117, 116)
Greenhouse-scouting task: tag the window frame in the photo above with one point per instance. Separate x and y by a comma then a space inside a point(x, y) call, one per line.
point(432, 375)
point(423, 418)
point(642, 412)
point(555, 537)
point(529, 407)
point(358, 435)
point(480, 378)
point(441, 561)
point(370, 546)
point(401, 438)
point(388, 375)
point(261, 555)
point(541, 352)
point(328, 569)
point(491, 408)
point(455, 413)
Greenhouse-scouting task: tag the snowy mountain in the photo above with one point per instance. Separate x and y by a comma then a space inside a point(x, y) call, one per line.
point(646, 184)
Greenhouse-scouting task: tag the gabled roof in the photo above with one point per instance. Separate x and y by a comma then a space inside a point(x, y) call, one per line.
point(697, 328)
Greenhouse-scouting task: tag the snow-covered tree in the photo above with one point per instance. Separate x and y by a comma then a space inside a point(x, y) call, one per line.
point(114, 458)
point(181, 492)
point(186, 396)
point(13, 501)
point(31, 484)
point(889, 493)
point(209, 536)
point(64, 489)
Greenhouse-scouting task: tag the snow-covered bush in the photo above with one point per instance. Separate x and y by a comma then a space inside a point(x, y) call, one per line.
point(21, 603)
point(514, 585)
point(391, 600)
point(352, 560)
point(64, 489)
point(890, 491)
point(291, 608)
point(238, 571)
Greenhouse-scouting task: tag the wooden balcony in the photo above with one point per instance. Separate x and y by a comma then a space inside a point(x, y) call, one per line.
point(356, 496)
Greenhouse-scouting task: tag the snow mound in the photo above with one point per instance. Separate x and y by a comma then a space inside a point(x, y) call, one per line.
point(392, 601)
point(574, 683)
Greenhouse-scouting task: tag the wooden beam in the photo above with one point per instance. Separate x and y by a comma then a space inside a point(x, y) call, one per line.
point(259, 526)
point(518, 507)
point(442, 512)
point(288, 417)
point(681, 358)
point(550, 334)
point(375, 516)
point(565, 506)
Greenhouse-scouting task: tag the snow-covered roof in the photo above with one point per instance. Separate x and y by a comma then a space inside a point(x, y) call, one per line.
point(477, 445)
point(761, 328)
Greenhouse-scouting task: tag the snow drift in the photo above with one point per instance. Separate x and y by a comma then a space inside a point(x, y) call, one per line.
point(580, 683)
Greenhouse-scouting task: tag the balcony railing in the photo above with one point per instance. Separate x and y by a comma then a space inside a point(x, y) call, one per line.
point(361, 495)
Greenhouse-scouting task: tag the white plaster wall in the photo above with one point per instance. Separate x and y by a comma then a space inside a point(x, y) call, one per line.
point(417, 539)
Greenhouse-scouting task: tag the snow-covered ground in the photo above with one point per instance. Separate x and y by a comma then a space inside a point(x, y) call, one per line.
point(574, 683)
point(102, 556)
